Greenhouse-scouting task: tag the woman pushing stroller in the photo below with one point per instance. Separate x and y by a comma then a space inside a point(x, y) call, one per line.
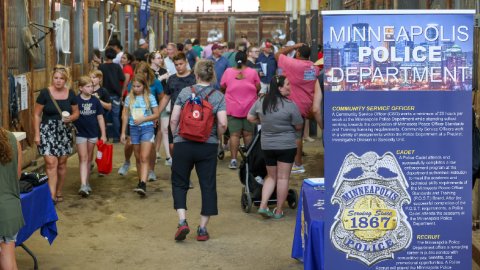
point(281, 125)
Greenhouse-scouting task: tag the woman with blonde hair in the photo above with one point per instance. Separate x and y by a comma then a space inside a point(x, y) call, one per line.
point(55, 110)
point(11, 219)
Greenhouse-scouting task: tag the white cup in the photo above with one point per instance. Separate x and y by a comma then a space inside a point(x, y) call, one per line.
point(65, 114)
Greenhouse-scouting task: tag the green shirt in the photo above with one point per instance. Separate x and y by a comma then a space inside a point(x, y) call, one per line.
point(11, 217)
point(231, 58)
point(199, 51)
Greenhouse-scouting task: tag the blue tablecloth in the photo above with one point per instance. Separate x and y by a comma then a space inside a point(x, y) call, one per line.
point(308, 240)
point(39, 213)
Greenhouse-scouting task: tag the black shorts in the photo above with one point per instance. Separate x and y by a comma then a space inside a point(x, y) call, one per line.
point(285, 156)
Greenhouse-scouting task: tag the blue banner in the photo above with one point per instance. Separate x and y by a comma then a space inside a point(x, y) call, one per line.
point(398, 139)
point(144, 16)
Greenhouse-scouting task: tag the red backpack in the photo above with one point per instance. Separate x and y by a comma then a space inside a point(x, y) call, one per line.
point(196, 121)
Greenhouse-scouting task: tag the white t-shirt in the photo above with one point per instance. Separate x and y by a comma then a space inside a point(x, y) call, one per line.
point(117, 59)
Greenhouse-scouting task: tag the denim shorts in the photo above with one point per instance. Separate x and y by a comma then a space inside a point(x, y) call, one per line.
point(139, 134)
point(7, 239)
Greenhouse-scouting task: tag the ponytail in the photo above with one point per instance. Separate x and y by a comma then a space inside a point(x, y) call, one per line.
point(241, 59)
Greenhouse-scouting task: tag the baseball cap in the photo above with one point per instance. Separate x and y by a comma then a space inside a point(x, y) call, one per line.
point(290, 43)
point(142, 41)
point(268, 45)
point(215, 39)
point(209, 40)
point(187, 41)
point(217, 46)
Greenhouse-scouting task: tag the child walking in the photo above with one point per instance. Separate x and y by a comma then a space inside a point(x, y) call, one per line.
point(102, 94)
point(141, 109)
point(87, 125)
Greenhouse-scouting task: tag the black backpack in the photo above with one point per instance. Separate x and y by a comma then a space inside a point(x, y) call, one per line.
point(36, 179)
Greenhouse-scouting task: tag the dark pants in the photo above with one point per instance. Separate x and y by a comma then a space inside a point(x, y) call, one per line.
point(115, 116)
point(204, 157)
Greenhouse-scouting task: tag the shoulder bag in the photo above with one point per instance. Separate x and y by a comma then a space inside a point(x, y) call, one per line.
point(70, 125)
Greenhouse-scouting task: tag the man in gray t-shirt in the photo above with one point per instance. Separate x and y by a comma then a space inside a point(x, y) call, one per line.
point(217, 99)
point(278, 131)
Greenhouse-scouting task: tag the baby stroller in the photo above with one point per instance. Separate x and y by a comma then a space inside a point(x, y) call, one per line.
point(253, 165)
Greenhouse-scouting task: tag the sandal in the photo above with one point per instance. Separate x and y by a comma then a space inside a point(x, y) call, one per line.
point(54, 202)
point(59, 197)
point(265, 213)
point(275, 215)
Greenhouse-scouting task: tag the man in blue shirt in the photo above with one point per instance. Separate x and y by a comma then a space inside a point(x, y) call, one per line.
point(269, 67)
point(221, 63)
point(192, 55)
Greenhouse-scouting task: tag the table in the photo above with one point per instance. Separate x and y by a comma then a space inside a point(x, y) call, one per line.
point(308, 243)
point(39, 213)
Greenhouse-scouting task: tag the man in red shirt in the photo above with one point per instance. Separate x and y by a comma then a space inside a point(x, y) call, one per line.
point(302, 75)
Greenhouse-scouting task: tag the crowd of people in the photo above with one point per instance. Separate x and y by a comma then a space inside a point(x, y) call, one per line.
point(143, 95)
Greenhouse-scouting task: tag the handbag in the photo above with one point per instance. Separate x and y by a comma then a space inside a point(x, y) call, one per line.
point(104, 157)
point(70, 125)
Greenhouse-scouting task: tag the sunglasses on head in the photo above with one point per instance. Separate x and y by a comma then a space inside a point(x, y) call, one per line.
point(59, 69)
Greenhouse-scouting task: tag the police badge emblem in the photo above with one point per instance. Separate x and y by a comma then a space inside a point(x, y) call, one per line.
point(370, 225)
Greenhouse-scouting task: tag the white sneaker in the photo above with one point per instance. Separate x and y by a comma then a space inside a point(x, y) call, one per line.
point(310, 139)
point(297, 169)
point(124, 169)
point(168, 162)
point(83, 190)
point(152, 176)
point(233, 164)
point(158, 155)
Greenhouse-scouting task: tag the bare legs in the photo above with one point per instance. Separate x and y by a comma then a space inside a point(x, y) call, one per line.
point(277, 176)
point(85, 156)
point(7, 256)
point(164, 131)
point(203, 221)
point(305, 130)
point(235, 141)
point(128, 151)
point(298, 157)
point(62, 174)
point(153, 157)
point(56, 168)
point(142, 156)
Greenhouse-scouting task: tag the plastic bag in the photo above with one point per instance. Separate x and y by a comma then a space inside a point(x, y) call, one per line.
point(104, 157)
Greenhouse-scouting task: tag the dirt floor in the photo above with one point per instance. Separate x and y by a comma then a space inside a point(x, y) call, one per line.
point(114, 228)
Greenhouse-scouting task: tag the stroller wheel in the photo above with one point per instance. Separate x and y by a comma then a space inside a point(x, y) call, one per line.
point(246, 202)
point(292, 198)
point(221, 155)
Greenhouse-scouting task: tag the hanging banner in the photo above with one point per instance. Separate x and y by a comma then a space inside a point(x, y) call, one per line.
point(398, 139)
point(144, 16)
